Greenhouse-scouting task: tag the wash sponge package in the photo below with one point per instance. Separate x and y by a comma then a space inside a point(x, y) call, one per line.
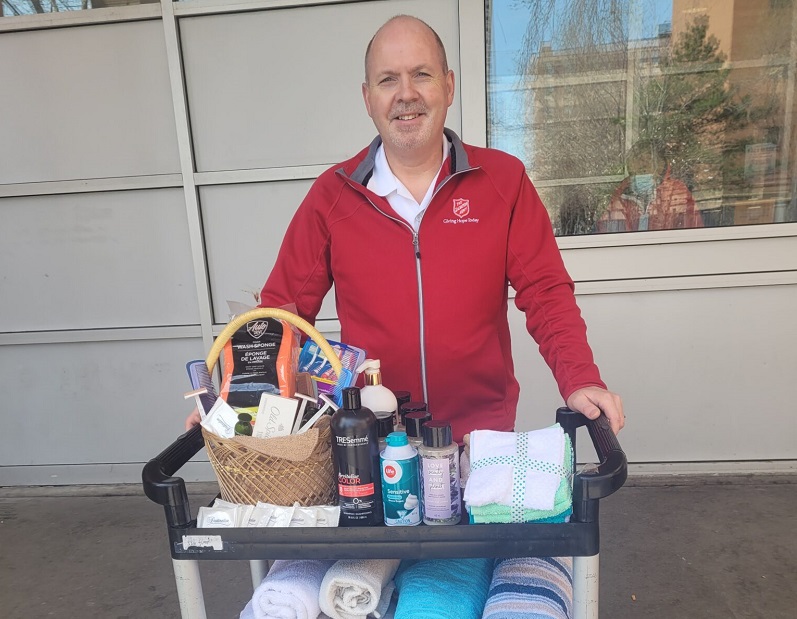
point(261, 356)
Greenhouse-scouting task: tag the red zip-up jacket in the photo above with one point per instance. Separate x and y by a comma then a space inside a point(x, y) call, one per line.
point(432, 305)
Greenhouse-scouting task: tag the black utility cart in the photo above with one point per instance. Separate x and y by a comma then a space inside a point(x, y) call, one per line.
point(580, 538)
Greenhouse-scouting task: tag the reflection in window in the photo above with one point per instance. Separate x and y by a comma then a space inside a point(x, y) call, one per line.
point(31, 7)
point(648, 114)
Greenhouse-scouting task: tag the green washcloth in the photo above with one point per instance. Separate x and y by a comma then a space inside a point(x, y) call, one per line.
point(500, 514)
point(563, 501)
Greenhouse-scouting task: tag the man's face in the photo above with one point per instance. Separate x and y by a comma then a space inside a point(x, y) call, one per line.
point(407, 92)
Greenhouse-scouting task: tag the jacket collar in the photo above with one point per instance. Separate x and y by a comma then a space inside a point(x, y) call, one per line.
point(364, 170)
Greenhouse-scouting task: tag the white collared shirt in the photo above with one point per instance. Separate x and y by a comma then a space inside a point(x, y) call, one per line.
point(384, 183)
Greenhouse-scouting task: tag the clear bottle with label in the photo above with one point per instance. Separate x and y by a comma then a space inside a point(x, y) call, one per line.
point(414, 424)
point(402, 397)
point(400, 482)
point(355, 454)
point(405, 409)
point(439, 458)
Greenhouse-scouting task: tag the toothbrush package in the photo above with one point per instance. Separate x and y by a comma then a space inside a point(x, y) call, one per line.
point(313, 361)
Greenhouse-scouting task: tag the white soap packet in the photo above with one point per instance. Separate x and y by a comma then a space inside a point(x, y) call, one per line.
point(222, 503)
point(260, 515)
point(281, 516)
point(303, 516)
point(221, 419)
point(244, 514)
point(327, 515)
point(217, 517)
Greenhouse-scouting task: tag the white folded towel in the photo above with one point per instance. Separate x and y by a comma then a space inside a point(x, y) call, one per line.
point(351, 589)
point(520, 469)
point(290, 590)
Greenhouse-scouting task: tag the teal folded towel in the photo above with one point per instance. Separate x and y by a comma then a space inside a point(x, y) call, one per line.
point(563, 501)
point(443, 588)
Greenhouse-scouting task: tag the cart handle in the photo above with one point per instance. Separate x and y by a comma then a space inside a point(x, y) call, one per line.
point(159, 484)
point(613, 467)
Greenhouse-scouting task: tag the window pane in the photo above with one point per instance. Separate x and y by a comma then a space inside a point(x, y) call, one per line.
point(648, 114)
point(31, 7)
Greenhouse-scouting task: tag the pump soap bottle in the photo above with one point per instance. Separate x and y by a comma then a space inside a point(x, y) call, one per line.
point(375, 395)
point(355, 453)
point(439, 456)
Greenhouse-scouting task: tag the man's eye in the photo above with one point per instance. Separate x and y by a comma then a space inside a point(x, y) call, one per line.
point(387, 80)
point(423, 74)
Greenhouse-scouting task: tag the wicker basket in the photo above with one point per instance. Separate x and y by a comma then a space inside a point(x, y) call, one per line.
point(282, 470)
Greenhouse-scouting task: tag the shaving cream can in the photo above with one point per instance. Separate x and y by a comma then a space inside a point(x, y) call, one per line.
point(400, 482)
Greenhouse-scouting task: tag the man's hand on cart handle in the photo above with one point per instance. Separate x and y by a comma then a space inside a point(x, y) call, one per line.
point(590, 401)
point(192, 420)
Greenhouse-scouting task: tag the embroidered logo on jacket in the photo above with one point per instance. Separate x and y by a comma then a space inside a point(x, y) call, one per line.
point(461, 207)
point(462, 210)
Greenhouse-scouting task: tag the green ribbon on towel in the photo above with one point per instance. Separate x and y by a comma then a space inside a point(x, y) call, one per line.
point(520, 466)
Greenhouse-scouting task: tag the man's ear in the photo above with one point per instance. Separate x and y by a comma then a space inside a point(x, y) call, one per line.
point(450, 83)
point(367, 98)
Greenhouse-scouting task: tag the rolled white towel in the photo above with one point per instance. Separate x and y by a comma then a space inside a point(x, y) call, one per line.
point(290, 590)
point(351, 589)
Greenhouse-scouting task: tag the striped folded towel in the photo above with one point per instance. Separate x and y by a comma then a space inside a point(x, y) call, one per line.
point(531, 588)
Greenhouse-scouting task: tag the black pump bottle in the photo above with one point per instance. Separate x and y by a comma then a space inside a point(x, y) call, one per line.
point(355, 452)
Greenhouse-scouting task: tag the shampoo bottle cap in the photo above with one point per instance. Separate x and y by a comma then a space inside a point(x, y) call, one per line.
point(402, 397)
point(384, 423)
point(414, 422)
point(437, 434)
point(410, 407)
point(397, 439)
point(351, 398)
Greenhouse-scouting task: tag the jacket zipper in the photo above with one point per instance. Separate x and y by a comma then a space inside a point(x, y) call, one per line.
point(417, 250)
point(416, 244)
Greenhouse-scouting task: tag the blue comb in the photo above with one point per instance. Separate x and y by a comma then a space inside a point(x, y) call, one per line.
point(346, 379)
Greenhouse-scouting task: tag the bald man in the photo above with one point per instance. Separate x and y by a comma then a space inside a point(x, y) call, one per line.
point(422, 235)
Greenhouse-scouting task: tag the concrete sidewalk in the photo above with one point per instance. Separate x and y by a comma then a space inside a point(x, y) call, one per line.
point(691, 547)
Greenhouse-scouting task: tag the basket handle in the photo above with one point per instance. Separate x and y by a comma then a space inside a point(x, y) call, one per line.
point(270, 312)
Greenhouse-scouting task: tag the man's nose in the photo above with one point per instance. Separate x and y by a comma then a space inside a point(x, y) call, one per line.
point(407, 90)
